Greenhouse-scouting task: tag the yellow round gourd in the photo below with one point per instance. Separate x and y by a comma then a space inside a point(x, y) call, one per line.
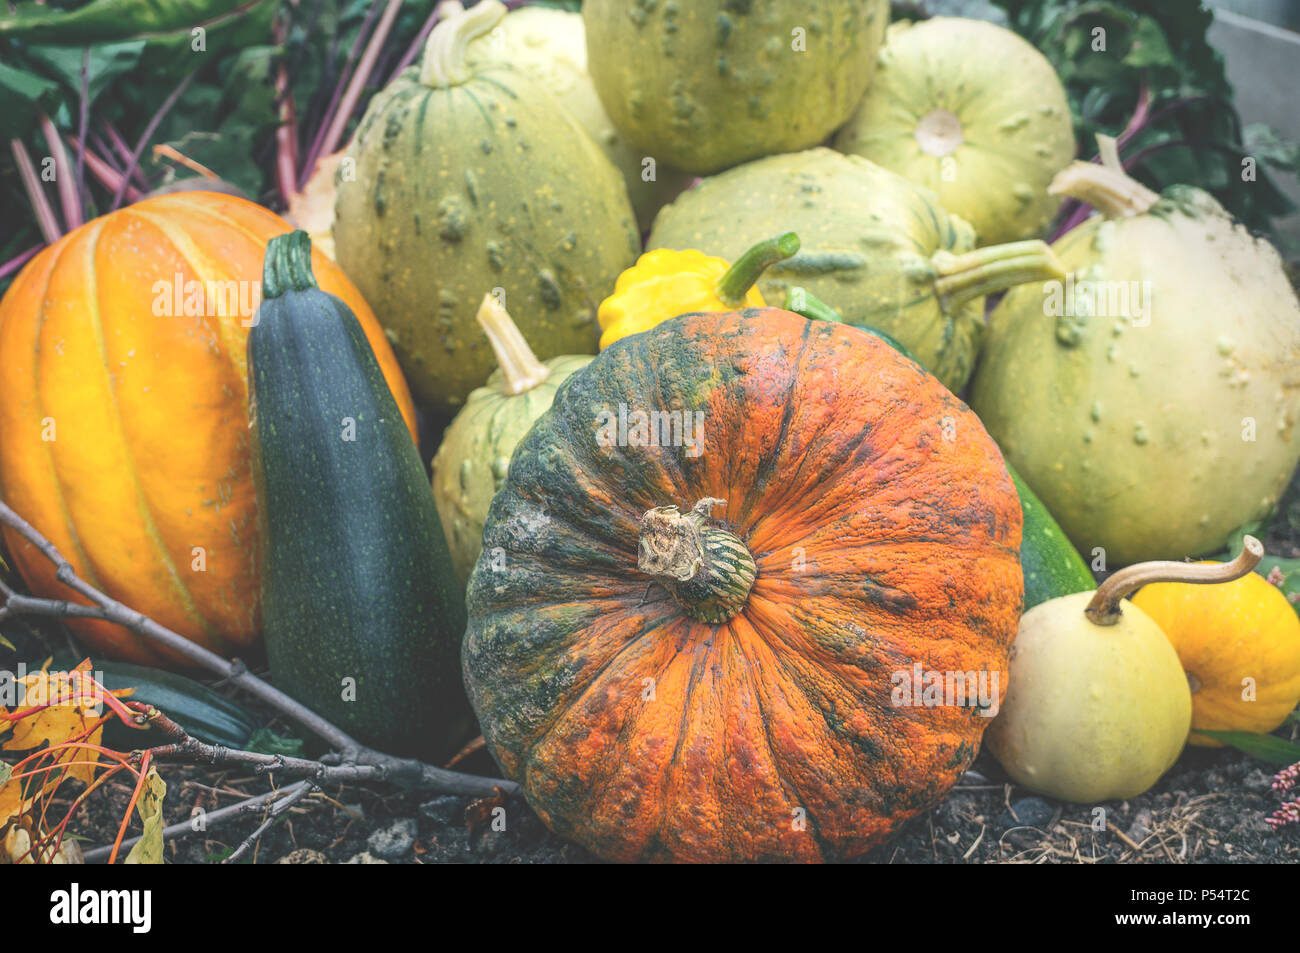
point(1240, 646)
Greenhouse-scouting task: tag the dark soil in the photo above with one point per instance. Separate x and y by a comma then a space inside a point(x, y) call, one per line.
point(1209, 809)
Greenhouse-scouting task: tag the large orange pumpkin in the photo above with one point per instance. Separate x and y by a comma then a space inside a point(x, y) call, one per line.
point(748, 704)
point(124, 413)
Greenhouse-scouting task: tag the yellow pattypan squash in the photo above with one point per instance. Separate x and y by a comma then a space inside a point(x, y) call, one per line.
point(665, 283)
point(1240, 646)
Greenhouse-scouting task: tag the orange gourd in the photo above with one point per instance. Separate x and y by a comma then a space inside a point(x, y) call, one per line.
point(1240, 646)
point(717, 561)
point(124, 413)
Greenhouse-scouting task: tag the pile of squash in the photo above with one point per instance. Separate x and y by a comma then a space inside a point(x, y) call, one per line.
point(711, 538)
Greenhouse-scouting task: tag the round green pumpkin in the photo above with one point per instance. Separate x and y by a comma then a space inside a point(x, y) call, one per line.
point(973, 112)
point(468, 179)
point(875, 247)
point(705, 84)
point(551, 46)
point(1152, 399)
point(474, 456)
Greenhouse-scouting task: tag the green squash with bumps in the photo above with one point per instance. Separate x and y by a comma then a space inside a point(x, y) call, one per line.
point(971, 110)
point(705, 84)
point(465, 179)
point(1152, 400)
point(473, 459)
point(876, 248)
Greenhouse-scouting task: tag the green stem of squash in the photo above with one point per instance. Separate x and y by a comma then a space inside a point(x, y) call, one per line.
point(444, 63)
point(1104, 607)
point(803, 302)
point(740, 277)
point(963, 278)
point(519, 365)
point(708, 570)
point(287, 265)
point(1110, 191)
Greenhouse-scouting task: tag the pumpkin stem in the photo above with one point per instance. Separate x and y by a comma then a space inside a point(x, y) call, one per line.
point(963, 278)
point(444, 63)
point(1110, 191)
point(1104, 607)
point(806, 304)
point(740, 277)
point(519, 365)
point(708, 569)
point(287, 265)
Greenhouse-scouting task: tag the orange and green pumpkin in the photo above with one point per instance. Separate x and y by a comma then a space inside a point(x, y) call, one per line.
point(688, 644)
point(124, 413)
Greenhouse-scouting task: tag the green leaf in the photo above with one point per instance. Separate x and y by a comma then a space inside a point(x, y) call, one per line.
point(7, 644)
point(1148, 46)
point(107, 62)
point(24, 95)
point(266, 741)
point(1268, 748)
point(102, 20)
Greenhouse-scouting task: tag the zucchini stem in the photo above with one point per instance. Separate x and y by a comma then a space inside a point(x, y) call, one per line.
point(963, 278)
point(287, 265)
point(740, 277)
point(1110, 191)
point(444, 63)
point(1104, 607)
point(519, 365)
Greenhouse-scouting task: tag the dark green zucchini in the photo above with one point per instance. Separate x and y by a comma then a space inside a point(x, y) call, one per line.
point(203, 713)
point(361, 610)
point(1051, 564)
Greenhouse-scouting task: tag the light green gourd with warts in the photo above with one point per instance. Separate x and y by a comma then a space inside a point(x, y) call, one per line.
point(551, 45)
point(467, 178)
point(473, 459)
point(876, 248)
point(1153, 400)
point(971, 110)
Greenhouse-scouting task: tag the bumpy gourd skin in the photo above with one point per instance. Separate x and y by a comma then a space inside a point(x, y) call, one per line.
point(705, 84)
point(644, 735)
point(868, 237)
point(551, 45)
point(463, 189)
point(1152, 440)
point(974, 112)
point(474, 456)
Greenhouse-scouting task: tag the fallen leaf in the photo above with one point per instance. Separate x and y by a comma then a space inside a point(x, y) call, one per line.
point(149, 848)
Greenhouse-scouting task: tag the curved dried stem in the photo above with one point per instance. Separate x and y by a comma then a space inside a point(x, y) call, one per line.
point(1104, 607)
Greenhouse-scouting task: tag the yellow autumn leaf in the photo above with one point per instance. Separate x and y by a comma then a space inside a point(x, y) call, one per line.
point(148, 849)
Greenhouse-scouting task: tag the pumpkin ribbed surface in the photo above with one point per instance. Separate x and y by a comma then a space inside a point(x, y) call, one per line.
point(124, 431)
point(879, 544)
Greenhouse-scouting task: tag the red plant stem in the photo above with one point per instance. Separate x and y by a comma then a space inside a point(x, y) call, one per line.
point(124, 151)
point(286, 133)
point(358, 82)
point(110, 177)
point(45, 217)
point(417, 44)
point(96, 141)
point(327, 118)
point(13, 264)
point(149, 130)
point(135, 796)
point(83, 125)
point(65, 178)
